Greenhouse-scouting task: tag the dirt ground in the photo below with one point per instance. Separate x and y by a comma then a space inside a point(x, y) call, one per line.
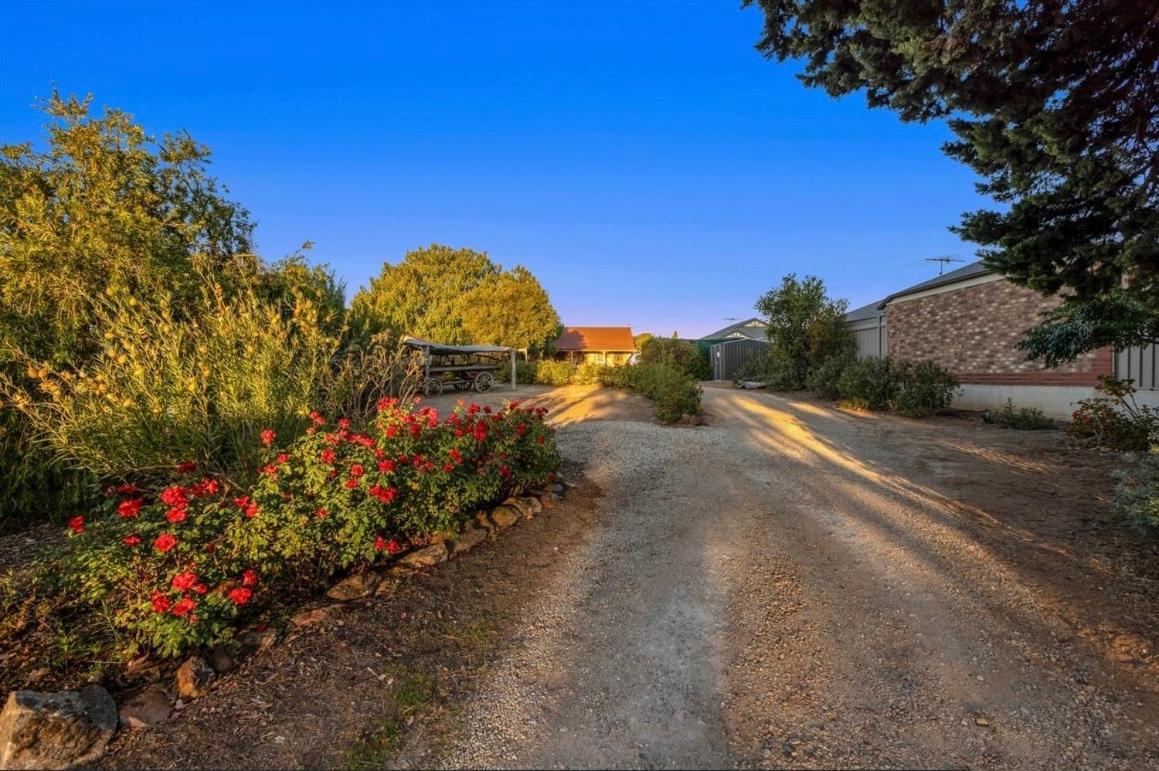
point(789, 585)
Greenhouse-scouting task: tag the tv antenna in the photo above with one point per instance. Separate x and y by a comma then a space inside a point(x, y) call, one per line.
point(943, 262)
point(731, 318)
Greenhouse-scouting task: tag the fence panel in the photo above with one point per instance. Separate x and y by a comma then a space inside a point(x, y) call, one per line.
point(1140, 364)
point(872, 338)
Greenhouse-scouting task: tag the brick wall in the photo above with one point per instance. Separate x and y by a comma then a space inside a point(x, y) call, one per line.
point(973, 332)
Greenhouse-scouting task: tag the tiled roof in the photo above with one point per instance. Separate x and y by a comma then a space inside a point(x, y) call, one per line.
point(596, 339)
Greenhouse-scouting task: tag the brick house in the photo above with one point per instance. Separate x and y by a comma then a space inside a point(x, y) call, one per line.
point(970, 321)
point(595, 345)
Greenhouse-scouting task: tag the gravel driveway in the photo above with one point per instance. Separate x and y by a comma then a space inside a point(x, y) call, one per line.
point(795, 585)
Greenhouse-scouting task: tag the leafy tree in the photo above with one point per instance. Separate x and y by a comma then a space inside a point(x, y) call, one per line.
point(511, 309)
point(456, 296)
point(105, 210)
point(425, 295)
point(805, 328)
point(287, 283)
point(1055, 103)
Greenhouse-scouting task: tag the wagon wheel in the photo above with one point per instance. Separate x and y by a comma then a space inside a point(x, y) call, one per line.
point(433, 386)
point(484, 381)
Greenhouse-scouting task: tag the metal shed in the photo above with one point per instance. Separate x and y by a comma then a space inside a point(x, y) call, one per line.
point(728, 357)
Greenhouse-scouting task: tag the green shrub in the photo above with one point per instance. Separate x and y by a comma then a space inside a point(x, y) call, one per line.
point(673, 393)
point(871, 381)
point(527, 372)
point(824, 379)
point(773, 367)
point(916, 389)
point(1021, 418)
point(554, 373)
point(177, 567)
point(1137, 493)
point(682, 355)
point(924, 388)
point(195, 381)
point(1113, 421)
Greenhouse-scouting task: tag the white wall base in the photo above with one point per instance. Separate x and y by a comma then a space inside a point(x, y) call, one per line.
point(1055, 401)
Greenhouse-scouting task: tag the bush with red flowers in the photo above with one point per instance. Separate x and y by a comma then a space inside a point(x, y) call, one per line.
point(174, 568)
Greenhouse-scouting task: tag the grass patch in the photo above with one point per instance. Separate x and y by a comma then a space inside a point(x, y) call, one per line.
point(376, 749)
point(1021, 419)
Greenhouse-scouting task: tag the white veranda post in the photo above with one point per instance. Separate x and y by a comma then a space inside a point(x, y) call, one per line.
point(513, 383)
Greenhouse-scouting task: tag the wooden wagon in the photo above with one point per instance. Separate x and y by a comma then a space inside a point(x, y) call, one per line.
point(461, 367)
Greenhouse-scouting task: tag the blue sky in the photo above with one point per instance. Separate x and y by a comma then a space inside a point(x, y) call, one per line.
point(641, 158)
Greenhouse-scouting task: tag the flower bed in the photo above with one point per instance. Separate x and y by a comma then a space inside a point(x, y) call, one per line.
point(178, 567)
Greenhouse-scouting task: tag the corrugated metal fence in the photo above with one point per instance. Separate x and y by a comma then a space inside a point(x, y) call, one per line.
point(872, 338)
point(730, 356)
point(1140, 364)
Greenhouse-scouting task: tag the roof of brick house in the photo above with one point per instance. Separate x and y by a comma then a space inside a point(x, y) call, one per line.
point(964, 273)
point(596, 339)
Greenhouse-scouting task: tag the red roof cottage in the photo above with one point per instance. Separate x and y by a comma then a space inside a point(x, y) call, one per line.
point(595, 345)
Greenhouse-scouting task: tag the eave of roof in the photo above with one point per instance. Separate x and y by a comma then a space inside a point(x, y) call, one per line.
point(964, 273)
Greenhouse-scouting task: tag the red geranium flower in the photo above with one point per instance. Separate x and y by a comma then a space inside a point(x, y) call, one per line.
point(318, 419)
point(448, 468)
point(77, 524)
point(270, 469)
point(184, 580)
point(204, 487)
point(356, 470)
point(249, 577)
point(130, 508)
point(173, 495)
point(321, 513)
point(160, 602)
point(268, 436)
point(391, 432)
point(131, 540)
point(456, 456)
point(240, 596)
point(165, 542)
point(504, 471)
point(521, 429)
point(328, 456)
point(283, 458)
point(393, 546)
point(187, 467)
point(184, 606)
point(384, 494)
point(351, 483)
point(540, 439)
point(386, 466)
point(176, 514)
point(379, 543)
point(127, 489)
